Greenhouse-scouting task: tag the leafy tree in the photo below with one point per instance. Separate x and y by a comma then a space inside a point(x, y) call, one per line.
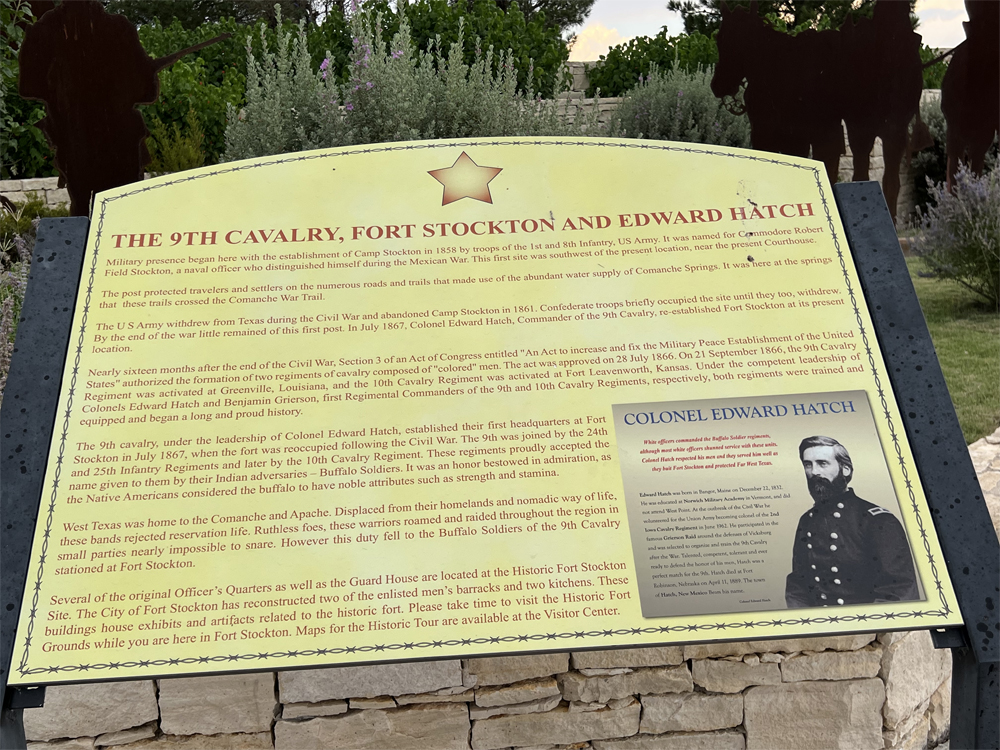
point(705, 16)
point(559, 13)
point(193, 13)
point(627, 64)
point(24, 151)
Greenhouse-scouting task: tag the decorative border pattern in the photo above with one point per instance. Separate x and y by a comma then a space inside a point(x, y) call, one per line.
point(884, 619)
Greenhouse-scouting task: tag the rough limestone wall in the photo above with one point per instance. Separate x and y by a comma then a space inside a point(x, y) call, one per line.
point(42, 187)
point(850, 692)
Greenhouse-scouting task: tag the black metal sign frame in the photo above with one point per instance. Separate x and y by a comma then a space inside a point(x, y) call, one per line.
point(959, 512)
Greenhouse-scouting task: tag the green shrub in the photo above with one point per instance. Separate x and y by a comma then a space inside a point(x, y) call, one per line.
point(678, 105)
point(394, 93)
point(289, 107)
point(397, 93)
point(959, 236)
point(623, 67)
point(173, 149)
point(24, 152)
point(537, 50)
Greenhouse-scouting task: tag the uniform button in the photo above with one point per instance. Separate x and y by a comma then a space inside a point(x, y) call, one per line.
point(840, 601)
point(809, 546)
point(833, 536)
point(836, 581)
point(813, 567)
point(840, 505)
point(822, 596)
point(833, 547)
point(809, 533)
point(817, 578)
point(834, 569)
point(810, 515)
point(836, 515)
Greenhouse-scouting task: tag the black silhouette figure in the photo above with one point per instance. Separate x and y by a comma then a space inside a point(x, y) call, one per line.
point(867, 74)
point(970, 91)
point(880, 89)
point(90, 70)
point(791, 86)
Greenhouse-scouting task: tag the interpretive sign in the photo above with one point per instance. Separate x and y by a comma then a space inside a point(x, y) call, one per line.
point(452, 398)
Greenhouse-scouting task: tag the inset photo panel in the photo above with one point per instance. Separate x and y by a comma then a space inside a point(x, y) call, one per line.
point(762, 503)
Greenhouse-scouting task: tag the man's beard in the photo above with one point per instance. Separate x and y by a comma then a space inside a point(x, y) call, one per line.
point(822, 488)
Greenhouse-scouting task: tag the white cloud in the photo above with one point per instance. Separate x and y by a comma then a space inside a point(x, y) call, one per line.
point(594, 40)
point(941, 22)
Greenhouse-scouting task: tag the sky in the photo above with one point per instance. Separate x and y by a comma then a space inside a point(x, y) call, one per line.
point(612, 22)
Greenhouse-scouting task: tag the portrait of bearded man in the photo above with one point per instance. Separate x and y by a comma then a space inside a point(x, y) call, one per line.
point(847, 550)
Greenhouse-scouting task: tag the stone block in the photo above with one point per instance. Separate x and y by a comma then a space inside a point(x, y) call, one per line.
point(726, 740)
point(315, 685)
point(905, 728)
point(528, 707)
point(939, 714)
point(841, 715)
point(915, 739)
point(503, 670)
point(125, 736)
point(721, 676)
point(690, 712)
point(820, 643)
point(222, 704)
point(447, 695)
point(656, 656)
point(256, 741)
point(832, 665)
point(559, 726)
point(519, 692)
point(366, 704)
point(312, 710)
point(578, 687)
point(912, 670)
point(77, 743)
point(438, 726)
point(16, 196)
point(10, 186)
point(91, 710)
point(57, 196)
point(40, 183)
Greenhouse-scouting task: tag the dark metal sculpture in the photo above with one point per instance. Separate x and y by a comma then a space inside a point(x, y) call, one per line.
point(970, 91)
point(867, 74)
point(880, 90)
point(790, 90)
point(90, 70)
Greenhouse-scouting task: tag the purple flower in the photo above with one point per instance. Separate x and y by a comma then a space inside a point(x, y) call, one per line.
point(349, 107)
point(369, 84)
point(324, 65)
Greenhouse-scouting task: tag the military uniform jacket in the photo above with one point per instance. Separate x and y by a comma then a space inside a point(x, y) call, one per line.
point(849, 551)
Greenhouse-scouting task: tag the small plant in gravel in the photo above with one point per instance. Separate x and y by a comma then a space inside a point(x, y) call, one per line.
point(959, 235)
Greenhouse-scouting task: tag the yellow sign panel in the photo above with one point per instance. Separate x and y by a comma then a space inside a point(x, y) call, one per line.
point(450, 398)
